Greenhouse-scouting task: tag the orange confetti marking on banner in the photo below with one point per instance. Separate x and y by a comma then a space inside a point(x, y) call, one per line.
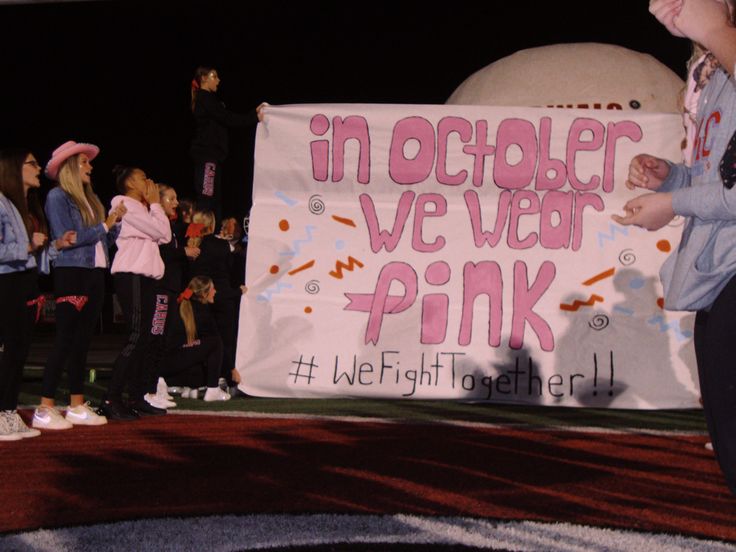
point(577, 304)
point(346, 221)
point(283, 225)
point(339, 265)
point(598, 277)
point(664, 246)
point(305, 266)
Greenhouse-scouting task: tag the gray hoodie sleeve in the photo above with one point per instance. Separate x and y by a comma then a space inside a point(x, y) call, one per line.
point(714, 202)
point(678, 178)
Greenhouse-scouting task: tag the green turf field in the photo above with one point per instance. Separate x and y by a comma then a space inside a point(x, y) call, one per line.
point(539, 416)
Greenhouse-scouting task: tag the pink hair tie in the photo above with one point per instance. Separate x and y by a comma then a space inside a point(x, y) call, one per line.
point(195, 84)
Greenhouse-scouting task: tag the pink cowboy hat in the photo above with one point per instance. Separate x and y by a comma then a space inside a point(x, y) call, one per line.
point(64, 152)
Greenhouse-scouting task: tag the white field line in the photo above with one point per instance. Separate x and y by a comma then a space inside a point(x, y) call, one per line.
point(263, 532)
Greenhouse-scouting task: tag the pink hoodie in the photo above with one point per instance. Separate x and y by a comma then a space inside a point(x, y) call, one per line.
point(141, 232)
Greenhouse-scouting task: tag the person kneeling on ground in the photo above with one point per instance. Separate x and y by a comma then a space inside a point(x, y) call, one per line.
point(195, 339)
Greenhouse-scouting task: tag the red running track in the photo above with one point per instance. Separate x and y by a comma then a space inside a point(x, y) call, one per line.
point(187, 465)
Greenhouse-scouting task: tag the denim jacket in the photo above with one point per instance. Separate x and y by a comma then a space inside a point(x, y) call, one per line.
point(63, 215)
point(14, 255)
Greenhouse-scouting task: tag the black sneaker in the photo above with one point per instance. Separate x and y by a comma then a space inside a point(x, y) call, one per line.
point(142, 408)
point(116, 410)
point(236, 393)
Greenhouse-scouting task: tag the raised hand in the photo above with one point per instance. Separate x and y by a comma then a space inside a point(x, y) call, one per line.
point(647, 171)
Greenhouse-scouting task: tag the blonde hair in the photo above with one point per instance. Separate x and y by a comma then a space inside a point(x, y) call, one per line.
point(207, 219)
point(200, 286)
point(162, 189)
point(70, 180)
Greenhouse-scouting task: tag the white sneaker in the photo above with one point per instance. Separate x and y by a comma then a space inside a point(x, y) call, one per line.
point(188, 393)
point(18, 426)
point(163, 400)
point(154, 400)
point(216, 394)
point(47, 417)
point(6, 432)
point(84, 415)
point(162, 390)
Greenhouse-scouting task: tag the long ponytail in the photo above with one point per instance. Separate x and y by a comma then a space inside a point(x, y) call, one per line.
point(198, 289)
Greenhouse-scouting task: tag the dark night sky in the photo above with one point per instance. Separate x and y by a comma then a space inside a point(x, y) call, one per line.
point(117, 73)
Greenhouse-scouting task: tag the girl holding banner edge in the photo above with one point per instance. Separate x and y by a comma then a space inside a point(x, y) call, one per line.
point(209, 146)
point(701, 274)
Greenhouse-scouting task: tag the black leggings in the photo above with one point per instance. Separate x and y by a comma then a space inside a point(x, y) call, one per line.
point(135, 366)
point(205, 351)
point(715, 349)
point(79, 293)
point(17, 319)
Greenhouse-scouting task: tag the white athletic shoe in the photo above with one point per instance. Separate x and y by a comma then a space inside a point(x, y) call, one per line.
point(155, 400)
point(18, 426)
point(162, 390)
point(46, 417)
point(84, 415)
point(216, 394)
point(189, 393)
point(163, 400)
point(6, 432)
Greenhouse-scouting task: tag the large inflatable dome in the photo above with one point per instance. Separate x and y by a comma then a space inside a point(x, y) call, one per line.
point(585, 75)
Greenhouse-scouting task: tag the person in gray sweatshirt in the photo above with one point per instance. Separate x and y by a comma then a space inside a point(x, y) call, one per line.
point(699, 275)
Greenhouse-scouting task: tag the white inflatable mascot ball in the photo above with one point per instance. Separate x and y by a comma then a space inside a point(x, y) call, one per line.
point(587, 75)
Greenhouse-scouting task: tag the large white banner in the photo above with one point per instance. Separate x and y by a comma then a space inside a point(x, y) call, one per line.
point(428, 252)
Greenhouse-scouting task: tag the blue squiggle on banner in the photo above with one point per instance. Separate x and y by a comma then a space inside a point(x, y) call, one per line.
point(680, 335)
point(297, 244)
point(286, 199)
point(273, 290)
point(611, 236)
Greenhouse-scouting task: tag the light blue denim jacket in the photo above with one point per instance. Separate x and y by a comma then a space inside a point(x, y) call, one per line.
point(705, 260)
point(63, 215)
point(14, 255)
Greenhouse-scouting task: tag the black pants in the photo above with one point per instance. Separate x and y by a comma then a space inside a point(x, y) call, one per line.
point(135, 365)
point(208, 186)
point(165, 308)
point(17, 320)
point(226, 313)
point(715, 349)
point(187, 361)
point(79, 293)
